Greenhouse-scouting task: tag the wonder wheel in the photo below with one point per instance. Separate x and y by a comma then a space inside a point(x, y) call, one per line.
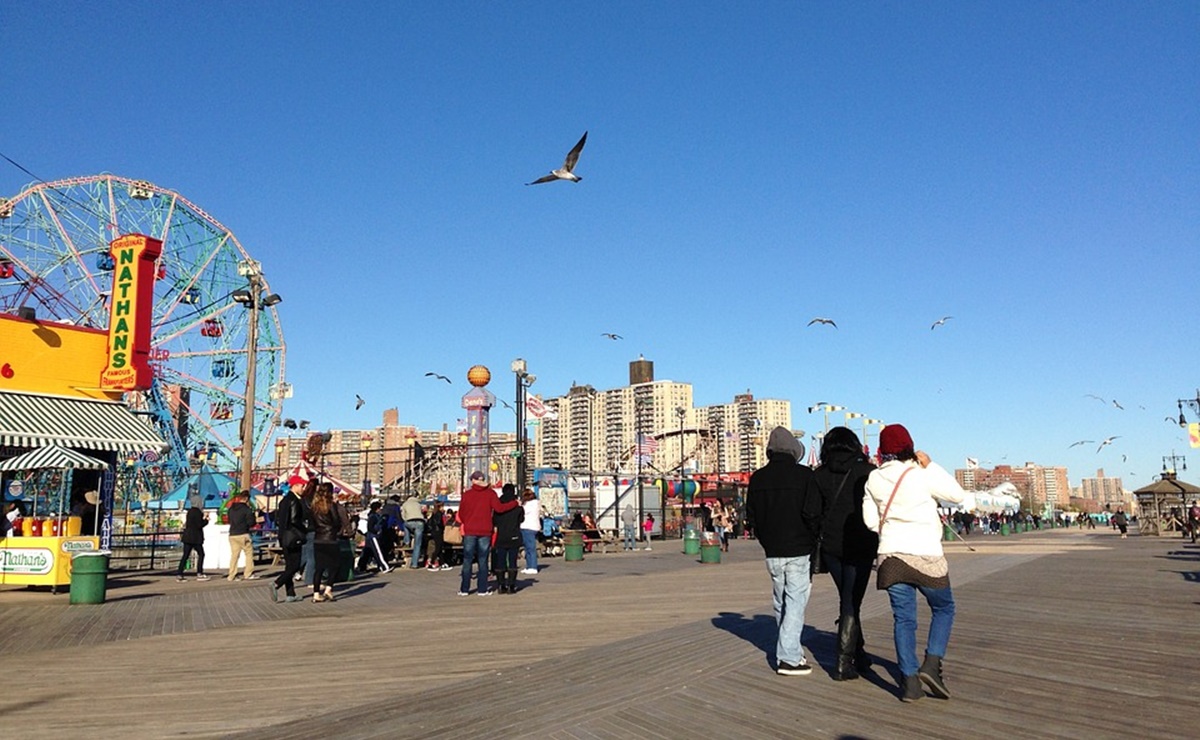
point(54, 240)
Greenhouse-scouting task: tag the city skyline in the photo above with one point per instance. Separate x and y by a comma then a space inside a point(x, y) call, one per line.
point(1029, 170)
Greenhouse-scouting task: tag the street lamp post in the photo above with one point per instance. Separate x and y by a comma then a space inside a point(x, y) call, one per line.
point(524, 380)
point(254, 299)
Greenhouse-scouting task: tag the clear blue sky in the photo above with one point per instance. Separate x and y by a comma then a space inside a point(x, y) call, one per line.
point(1032, 169)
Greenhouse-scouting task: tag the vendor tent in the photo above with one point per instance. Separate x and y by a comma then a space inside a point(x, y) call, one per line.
point(53, 457)
point(213, 486)
point(305, 471)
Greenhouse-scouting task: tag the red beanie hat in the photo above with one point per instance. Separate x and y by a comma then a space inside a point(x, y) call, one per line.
point(894, 439)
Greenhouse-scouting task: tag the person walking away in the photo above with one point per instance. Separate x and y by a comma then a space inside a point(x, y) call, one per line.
point(394, 533)
point(308, 558)
point(900, 504)
point(479, 503)
point(242, 519)
point(783, 506)
point(372, 550)
point(327, 524)
point(720, 522)
point(648, 529)
point(192, 538)
point(508, 540)
point(292, 523)
point(414, 522)
point(847, 547)
point(629, 527)
point(531, 524)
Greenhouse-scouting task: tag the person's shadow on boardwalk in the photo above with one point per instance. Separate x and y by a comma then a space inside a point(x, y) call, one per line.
point(760, 631)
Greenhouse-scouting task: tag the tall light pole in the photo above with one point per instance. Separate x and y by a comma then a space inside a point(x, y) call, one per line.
point(254, 300)
point(524, 380)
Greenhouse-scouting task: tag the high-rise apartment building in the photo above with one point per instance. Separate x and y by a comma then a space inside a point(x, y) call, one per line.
point(1104, 490)
point(1042, 487)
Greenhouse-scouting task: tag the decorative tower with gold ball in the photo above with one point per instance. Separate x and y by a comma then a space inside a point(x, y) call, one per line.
point(478, 403)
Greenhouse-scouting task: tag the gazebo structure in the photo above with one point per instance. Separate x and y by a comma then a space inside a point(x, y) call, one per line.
point(1162, 505)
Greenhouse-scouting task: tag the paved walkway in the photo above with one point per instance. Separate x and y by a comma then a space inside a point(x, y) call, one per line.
point(1058, 634)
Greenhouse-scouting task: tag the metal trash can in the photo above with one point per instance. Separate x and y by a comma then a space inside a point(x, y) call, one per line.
point(710, 548)
point(691, 542)
point(345, 566)
point(572, 545)
point(89, 577)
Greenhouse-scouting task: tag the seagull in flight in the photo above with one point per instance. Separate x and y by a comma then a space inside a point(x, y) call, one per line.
point(567, 172)
point(940, 322)
point(1118, 405)
point(1080, 442)
point(822, 320)
point(358, 402)
point(1107, 442)
point(439, 377)
point(611, 336)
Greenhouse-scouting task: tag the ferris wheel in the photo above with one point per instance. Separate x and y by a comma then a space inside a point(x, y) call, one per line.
point(54, 242)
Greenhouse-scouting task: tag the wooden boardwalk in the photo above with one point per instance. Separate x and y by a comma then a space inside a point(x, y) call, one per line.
point(1058, 634)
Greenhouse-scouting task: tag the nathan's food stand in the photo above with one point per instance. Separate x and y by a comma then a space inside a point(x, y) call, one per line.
point(39, 549)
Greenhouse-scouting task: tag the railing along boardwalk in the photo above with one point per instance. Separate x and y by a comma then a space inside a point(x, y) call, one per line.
point(1058, 634)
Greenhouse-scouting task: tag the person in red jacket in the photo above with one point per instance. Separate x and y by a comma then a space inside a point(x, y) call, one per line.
point(475, 511)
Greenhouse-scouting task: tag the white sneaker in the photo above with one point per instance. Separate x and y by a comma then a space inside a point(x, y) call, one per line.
point(647, 549)
point(530, 571)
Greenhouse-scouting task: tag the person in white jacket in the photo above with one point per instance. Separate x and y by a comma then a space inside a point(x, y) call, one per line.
point(900, 504)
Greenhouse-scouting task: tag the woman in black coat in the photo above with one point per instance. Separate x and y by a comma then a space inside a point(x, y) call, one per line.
point(193, 540)
point(508, 540)
point(847, 547)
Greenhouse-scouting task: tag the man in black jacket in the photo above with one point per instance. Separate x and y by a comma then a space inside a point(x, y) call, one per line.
point(783, 506)
point(292, 521)
point(241, 520)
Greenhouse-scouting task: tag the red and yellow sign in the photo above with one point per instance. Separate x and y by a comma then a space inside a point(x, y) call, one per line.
point(128, 367)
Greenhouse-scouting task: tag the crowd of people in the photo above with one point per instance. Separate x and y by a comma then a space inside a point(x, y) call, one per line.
point(846, 517)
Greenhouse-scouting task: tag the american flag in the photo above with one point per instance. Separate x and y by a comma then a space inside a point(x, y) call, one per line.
point(645, 446)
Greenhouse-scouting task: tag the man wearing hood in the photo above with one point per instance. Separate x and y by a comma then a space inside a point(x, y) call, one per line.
point(783, 508)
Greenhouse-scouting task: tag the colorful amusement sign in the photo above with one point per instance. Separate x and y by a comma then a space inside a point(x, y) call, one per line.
point(128, 367)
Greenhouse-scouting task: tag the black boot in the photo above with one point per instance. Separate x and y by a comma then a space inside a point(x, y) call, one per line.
point(911, 687)
point(512, 581)
point(847, 643)
point(931, 675)
point(862, 661)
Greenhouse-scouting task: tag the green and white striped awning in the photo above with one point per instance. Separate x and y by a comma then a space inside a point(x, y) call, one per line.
point(53, 458)
point(29, 420)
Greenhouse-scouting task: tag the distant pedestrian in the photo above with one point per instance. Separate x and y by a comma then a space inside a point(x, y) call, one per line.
point(372, 550)
point(1121, 522)
point(629, 527)
point(192, 538)
point(292, 522)
point(508, 539)
point(901, 505)
point(648, 528)
point(242, 519)
point(414, 523)
point(531, 525)
point(783, 505)
point(435, 529)
point(479, 503)
point(847, 547)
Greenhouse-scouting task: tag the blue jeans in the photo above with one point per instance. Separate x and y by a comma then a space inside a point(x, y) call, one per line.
point(529, 540)
point(790, 585)
point(475, 551)
point(417, 528)
point(630, 537)
point(309, 556)
point(904, 611)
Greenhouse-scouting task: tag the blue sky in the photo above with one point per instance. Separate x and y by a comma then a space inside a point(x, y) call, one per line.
point(1031, 169)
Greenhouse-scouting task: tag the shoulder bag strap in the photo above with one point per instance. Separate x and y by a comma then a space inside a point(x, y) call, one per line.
point(836, 496)
point(883, 519)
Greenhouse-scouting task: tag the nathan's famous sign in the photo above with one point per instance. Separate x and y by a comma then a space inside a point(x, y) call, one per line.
point(128, 367)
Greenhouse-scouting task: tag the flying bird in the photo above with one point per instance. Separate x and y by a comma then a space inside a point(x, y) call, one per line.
point(1118, 405)
point(358, 402)
point(567, 170)
point(1080, 442)
point(1107, 442)
point(940, 322)
point(508, 405)
point(1124, 458)
point(439, 377)
point(822, 320)
point(612, 336)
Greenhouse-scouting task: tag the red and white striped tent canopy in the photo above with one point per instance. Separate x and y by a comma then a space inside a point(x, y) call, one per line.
point(305, 471)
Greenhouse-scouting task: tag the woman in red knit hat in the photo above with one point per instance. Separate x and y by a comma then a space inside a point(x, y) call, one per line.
point(900, 504)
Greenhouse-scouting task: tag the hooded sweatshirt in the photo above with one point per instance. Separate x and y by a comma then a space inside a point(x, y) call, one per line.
point(846, 536)
point(783, 505)
point(508, 523)
point(479, 502)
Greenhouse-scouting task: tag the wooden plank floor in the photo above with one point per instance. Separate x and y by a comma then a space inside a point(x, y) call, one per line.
point(1058, 634)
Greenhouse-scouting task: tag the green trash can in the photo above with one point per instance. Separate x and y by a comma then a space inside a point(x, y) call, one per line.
point(89, 576)
point(710, 548)
point(691, 542)
point(572, 545)
point(947, 533)
point(345, 566)
point(1004, 529)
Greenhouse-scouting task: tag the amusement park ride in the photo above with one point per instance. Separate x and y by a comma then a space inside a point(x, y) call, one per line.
point(55, 265)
